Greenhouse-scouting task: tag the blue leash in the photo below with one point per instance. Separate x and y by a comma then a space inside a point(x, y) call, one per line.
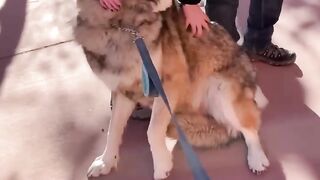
point(152, 87)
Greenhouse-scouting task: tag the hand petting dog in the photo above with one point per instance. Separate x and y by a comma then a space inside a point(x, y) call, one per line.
point(196, 19)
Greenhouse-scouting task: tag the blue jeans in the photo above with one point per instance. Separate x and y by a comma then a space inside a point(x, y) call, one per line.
point(263, 14)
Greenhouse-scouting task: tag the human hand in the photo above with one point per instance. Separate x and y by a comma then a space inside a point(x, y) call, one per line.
point(113, 5)
point(196, 19)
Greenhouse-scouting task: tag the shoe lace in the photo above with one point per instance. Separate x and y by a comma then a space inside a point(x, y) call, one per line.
point(274, 51)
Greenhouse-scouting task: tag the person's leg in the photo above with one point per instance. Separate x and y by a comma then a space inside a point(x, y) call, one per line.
point(224, 12)
point(263, 15)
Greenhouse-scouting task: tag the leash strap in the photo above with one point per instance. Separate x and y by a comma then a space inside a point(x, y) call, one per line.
point(198, 171)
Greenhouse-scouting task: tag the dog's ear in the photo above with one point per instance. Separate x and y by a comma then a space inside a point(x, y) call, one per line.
point(161, 5)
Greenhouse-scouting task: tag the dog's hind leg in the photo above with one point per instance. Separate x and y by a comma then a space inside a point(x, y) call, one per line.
point(234, 106)
point(122, 108)
point(249, 117)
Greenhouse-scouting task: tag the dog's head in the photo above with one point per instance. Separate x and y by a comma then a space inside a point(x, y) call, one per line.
point(132, 12)
point(150, 5)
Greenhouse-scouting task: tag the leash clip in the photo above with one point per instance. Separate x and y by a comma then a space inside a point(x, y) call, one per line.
point(135, 36)
point(134, 33)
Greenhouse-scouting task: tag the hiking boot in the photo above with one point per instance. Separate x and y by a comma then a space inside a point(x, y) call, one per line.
point(273, 55)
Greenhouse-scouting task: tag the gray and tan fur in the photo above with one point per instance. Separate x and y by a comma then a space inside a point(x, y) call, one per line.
point(209, 81)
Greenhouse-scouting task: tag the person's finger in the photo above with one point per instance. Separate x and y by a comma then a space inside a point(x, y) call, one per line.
point(114, 5)
point(206, 26)
point(118, 3)
point(194, 29)
point(107, 3)
point(199, 30)
point(102, 3)
point(110, 6)
point(187, 24)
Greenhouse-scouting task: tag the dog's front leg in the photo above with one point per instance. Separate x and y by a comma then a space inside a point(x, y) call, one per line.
point(162, 157)
point(121, 111)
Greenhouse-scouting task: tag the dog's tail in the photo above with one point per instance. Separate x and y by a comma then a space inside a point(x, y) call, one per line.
point(201, 131)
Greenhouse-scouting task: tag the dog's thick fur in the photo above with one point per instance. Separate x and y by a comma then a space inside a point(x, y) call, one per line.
point(209, 81)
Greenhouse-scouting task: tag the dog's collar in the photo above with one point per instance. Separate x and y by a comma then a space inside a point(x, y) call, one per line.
point(134, 33)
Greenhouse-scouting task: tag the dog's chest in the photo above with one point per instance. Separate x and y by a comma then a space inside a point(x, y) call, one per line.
point(114, 58)
point(121, 70)
point(117, 72)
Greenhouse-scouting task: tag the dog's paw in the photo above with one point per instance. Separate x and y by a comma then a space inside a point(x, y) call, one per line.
point(99, 167)
point(162, 169)
point(258, 162)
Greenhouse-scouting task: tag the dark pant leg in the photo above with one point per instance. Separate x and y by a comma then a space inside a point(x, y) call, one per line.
point(224, 12)
point(263, 14)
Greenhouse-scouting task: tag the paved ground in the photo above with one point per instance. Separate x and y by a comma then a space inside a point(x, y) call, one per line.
point(54, 112)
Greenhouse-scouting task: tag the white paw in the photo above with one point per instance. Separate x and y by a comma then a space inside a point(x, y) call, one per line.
point(162, 168)
point(99, 167)
point(257, 161)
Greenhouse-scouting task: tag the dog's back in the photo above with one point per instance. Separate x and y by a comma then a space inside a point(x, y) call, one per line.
point(190, 65)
